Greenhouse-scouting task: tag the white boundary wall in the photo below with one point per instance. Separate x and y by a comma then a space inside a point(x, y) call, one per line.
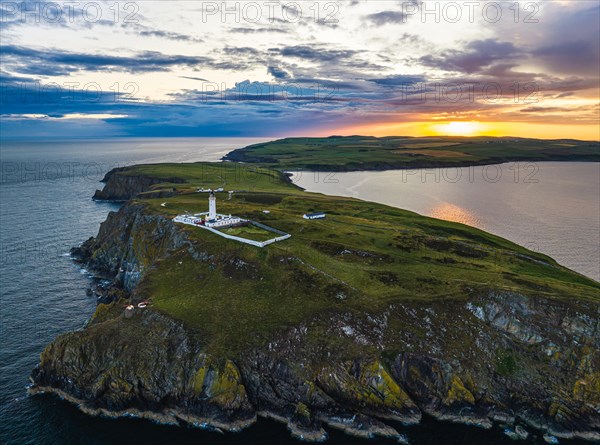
point(188, 221)
point(246, 240)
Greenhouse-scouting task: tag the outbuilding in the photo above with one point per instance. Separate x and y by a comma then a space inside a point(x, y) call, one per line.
point(315, 215)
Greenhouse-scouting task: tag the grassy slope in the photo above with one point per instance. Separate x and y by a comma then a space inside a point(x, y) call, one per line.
point(363, 257)
point(370, 153)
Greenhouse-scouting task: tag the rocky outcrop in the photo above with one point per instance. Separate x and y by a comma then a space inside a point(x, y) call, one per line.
point(120, 186)
point(491, 355)
point(128, 243)
point(149, 365)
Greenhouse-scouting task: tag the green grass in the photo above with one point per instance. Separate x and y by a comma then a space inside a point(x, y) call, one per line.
point(506, 364)
point(370, 153)
point(251, 232)
point(229, 176)
point(362, 258)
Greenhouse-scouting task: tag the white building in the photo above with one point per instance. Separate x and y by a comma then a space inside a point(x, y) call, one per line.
point(211, 218)
point(215, 220)
point(188, 219)
point(316, 215)
point(212, 206)
point(223, 221)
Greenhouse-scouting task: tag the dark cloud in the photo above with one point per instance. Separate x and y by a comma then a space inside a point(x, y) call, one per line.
point(259, 109)
point(571, 43)
point(53, 62)
point(505, 71)
point(240, 51)
point(544, 109)
point(194, 78)
point(168, 35)
point(387, 17)
point(6, 78)
point(20, 96)
point(399, 79)
point(340, 64)
point(242, 30)
point(476, 56)
point(320, 53)
point(289, 92)
point(292, 10)
point(578, 56)
point(278, 73)
point(566, 94)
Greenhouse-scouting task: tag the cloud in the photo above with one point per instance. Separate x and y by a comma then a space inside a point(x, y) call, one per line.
point(580, 56)
point(194, 78)
point(68, 116)
point(566, 94)
point(168, 35)
point(319, 53)
point(337, 64)
point(240, 51)
point(253, 91)
point(399, 79)
point(269, 29)
point(29, 97)
point(567, 42)
point(476, 56)
point(278, 73)
point(302, 75)
point(52, 62)
point(387, 17)
point(6, 78)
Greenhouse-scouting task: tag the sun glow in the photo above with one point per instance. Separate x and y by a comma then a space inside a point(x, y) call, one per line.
point(458, 128)
point(544, 130)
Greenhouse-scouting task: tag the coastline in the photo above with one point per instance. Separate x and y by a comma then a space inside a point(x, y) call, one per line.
point(169, 417)
point(173, 417)
point(306, 434)
point(416, 166)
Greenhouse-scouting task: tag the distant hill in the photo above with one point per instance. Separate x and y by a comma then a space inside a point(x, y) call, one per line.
point(351, 153)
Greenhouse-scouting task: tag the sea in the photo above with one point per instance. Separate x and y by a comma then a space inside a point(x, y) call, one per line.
point(46, 208)
point(548, 207)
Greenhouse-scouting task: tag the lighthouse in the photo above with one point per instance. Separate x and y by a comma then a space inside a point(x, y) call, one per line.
point(212, 207)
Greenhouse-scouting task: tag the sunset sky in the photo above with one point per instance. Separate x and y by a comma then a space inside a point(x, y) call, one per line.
point(194, 68)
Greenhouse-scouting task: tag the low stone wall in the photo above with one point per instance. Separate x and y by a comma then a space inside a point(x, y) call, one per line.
point(270, 229)
point(249, 241)
point(274, 240)
point(283, 236)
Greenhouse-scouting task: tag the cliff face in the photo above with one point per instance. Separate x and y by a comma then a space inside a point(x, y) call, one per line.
point(147, 364)
point(128, 243)
point(122, 187)
point(489, 356)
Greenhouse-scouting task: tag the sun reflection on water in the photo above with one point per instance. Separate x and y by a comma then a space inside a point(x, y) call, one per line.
point(451, 212)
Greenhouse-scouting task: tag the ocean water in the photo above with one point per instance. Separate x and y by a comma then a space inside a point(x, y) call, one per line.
point(45, 209)
point(548, 207)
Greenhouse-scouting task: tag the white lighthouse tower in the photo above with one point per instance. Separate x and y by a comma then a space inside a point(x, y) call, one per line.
point(212, 207)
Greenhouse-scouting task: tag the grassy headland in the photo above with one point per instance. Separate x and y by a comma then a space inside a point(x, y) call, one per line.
point(373, 313)
point(362, 257)
point(352, 153)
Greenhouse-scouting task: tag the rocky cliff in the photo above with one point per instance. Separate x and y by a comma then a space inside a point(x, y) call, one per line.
point(490, 355)
point(121, 187)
